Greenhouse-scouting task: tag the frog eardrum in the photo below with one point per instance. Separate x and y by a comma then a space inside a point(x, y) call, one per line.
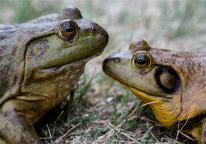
point(167, 80)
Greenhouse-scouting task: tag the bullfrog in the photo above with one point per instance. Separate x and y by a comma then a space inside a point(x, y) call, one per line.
point(171, 82)
point(40, 62)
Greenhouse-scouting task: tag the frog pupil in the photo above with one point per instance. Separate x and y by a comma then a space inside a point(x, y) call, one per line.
point(141, 61)
point(70, 29)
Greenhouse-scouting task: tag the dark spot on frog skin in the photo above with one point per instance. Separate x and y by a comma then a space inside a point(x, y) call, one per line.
point(33, 109)
point(14, 49)
point(1, 58)
point(5, 114)
point(10, 59)
point(2, 37)
point(14, 78)
point(6, 27)
point(19, 39)
point(42, 30)
point(49, 19)
point(3, 47)
point(30, 33)
point(5, 70)
point(5, 84)
point(15, 109)
point(143, 73)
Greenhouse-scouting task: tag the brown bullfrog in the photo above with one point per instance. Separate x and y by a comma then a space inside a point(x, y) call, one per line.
point(172, 81)
point(40, 62)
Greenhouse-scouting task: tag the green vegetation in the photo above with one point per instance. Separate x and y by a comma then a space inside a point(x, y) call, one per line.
point(19, 11)
point(99, 110)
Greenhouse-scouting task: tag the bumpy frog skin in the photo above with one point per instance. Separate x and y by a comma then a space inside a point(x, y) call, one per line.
point(40, 62)
point(173, 81)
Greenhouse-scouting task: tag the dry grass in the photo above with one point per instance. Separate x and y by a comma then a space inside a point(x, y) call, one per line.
point(99, 110)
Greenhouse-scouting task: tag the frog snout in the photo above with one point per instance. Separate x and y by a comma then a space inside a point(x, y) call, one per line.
point(113, 59)
point(93, 30)
point(105, 62)
point(109, 62)
point(98, 30)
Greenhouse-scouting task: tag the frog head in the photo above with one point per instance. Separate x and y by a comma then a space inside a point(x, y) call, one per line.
point(46, 56)
point(56, 60)
point(171, 82)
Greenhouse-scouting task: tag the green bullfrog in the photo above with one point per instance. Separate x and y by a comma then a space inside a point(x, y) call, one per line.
point(171, 82)
point(40, 62)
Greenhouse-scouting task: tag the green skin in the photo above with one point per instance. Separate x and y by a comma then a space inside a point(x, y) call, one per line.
point(173, 84)
point(39, 68)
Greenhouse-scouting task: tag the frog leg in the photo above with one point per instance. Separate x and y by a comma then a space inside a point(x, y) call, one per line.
point(17, 117)
point(203, 139)
point(198, 131)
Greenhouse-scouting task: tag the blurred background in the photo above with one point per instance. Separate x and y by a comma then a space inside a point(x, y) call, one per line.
point(171, 24)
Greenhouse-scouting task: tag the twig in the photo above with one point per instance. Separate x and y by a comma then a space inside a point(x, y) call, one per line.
point(172, 140)
point(182, 126)
point(87, 131)
point(49, 131)
point(188, 137)
point(118, 126)
point(144, 136)
point(115, 128)
point(134, 109)
point(59, 116)
point(148, 104)
point(108, 133)
point(58, 140)
point(146, 119)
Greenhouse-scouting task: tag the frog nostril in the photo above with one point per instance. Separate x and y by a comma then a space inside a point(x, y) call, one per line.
point(93, 30)
point(117, 59)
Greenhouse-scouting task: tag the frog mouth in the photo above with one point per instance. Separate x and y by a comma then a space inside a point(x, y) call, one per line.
point(133, 89)
point(82, 61)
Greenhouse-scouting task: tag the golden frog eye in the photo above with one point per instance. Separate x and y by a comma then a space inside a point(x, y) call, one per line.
point(68, 30)
point(141, 61)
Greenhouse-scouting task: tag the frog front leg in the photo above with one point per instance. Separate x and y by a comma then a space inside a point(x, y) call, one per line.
point(202, 131)
point(203, 140)
point(198, 131)
point(17, 117)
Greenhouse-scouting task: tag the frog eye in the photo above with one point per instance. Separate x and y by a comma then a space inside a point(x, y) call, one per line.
point(68, 30)
point(141, 61)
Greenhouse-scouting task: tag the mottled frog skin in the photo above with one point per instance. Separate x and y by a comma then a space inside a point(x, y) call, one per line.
point(173, 82)
point(40, 62)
